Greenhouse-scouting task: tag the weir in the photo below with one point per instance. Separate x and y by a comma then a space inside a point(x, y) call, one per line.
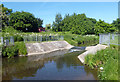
point(46, 47)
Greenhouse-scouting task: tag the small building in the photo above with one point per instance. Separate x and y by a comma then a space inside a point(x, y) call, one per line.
point(41, 29)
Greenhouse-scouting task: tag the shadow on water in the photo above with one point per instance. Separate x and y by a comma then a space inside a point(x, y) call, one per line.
point(62, 67)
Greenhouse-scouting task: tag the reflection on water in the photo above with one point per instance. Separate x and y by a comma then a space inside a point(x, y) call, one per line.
point(61, 67)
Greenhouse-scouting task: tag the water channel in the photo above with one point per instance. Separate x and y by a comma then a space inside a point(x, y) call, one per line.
point(64, 66)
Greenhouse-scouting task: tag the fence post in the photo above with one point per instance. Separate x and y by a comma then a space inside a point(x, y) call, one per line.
point(12, 40)
point(99, 38)
point(46, 37)
point(2, 40)
point(36, 37)
point(24, 39)
point(109, 40)
point(41, 38)
point(6, 42)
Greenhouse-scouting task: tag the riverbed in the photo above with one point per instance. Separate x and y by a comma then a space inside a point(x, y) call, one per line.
point(64, 66)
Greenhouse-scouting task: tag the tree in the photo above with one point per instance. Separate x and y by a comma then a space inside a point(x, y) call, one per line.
point(4, 15)
point(56, 25)
point(102, 27)
point(80, 24)
point(24, 21)
point(40, 22)
point(116, 23)
point(48, 26)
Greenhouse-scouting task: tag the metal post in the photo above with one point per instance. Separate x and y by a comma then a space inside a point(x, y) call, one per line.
point(46, 38)
point(109, 39)
point(24, 39)
point(2, 40)
point(12, 40)
point(53, 38)
point(57, 37)
point(36, 38)
point(41, 39)
point(99, 38)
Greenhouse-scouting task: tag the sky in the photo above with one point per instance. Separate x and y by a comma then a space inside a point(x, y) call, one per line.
point(107, 11)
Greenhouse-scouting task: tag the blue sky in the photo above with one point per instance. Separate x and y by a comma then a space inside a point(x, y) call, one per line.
point(107, 11)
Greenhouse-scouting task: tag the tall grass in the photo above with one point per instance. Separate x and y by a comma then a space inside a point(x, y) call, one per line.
point(108, 60)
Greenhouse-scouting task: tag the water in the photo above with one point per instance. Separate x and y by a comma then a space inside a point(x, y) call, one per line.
point(62, 67)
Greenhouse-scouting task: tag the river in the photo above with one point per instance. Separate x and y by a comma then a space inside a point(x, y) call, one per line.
point(64, 66)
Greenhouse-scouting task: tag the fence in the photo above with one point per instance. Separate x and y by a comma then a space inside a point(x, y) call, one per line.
point(40, 38)
point(7, 41)
point(109, 38)
point(30, 38)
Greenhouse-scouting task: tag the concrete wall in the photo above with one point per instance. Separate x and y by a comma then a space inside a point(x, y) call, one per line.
point(91, 50)
point(46, 47)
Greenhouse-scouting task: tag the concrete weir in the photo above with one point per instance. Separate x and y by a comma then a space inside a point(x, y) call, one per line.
point(46, 47)
point(91, 50)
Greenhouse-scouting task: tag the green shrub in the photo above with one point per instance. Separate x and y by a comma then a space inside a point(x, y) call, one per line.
point(21, 47)
point(18, 49)
point(10, 51)
point(108, 59)
point(18, 38)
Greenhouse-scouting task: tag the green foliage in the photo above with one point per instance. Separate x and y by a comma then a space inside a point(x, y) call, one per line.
point(48, 27)
point(57, 24)
point(108, 59)
point(9, 51)
point(18, 49)
point(21, 47)
point(102, 27)
point(39, 22)
point(80, 24)
point(24, 21)
point(76, 40)
point(110, 71)
point(9, 31)
point(77, 24)
point(116, 23)
point(5, 15)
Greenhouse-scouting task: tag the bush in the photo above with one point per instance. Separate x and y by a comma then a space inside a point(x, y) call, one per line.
point(21, 47)
point(18, 49)
point(76, 40)
point(18, 38)
point(9, 51)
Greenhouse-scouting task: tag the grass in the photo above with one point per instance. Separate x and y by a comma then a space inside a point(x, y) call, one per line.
point(79, 40)
point(108, 59)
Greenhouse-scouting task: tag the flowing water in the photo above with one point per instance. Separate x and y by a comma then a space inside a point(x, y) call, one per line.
point(64, 66)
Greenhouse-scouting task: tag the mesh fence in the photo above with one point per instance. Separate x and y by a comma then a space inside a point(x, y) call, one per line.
point(110, 38)
point(37, 38)
point(28, 38)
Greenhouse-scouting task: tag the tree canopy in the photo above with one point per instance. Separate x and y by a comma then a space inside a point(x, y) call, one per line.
point(77, 24)
point(4, 15)
point(80, 24)
point(116, 23)
point(24, 21)
point(57, 24)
